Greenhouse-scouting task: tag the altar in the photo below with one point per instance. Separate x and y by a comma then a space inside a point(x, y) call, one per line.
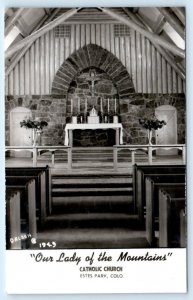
point(70, 127)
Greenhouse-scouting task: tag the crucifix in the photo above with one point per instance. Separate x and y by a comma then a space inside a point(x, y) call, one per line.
point(93, 78)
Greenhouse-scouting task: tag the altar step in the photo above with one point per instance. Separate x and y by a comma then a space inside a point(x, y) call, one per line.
point(91, 220)
point(92, 193)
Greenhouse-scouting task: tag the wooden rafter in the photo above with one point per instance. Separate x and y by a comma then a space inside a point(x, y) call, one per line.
point(24, 50)
point(21, 28)
point(13, 19)
point(179, 70)
point(10, 51)
point(172, 20)
point(47, 10)
point(151, 36)
point(159, 24)
point(180, 14)
point(174, 58)
point(132, 16)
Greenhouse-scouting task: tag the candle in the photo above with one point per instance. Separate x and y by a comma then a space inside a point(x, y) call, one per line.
point(108, 105)
point(86, 105)
point(78, 105)
point(71, 106)
point(101, 104)
point(115, 105)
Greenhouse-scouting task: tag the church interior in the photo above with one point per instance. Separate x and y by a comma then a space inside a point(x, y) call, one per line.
point(95, 127)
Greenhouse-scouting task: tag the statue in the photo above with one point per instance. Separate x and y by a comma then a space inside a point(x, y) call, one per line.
point(93, 116)
point(93, 112)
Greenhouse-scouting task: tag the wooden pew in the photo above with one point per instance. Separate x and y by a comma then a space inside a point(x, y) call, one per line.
point(152, 185)
point(27, 203)
point(183, 228)
point(40, 196)
point(140, 172)
point(13, 218)
point(172, 219)
point(43, 184)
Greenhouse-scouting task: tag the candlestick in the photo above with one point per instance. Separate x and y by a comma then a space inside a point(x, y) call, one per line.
point(71, 106)
point(108, 106)
point(115, 105)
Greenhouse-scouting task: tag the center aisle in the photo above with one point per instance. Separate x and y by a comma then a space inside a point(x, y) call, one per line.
point(94, 210)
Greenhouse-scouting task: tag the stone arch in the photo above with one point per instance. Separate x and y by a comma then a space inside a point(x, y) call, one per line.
point(93, 56)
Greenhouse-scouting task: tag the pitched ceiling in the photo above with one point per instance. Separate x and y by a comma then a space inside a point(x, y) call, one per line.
point(165, 27)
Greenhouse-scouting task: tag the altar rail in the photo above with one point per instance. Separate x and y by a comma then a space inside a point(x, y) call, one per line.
point(38, 149)
point(148, 149)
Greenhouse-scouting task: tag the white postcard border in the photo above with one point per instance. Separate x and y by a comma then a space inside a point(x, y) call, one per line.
point(25, 255)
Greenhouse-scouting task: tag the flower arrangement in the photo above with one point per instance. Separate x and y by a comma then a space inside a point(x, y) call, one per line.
point(33, 124)
point(36, 127)
point(153, 123)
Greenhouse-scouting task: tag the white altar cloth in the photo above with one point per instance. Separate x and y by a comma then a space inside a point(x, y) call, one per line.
point(117, 126)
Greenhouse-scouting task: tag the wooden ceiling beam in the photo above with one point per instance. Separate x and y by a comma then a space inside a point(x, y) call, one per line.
point(11, 21)
point(32, 37)
point(173, 21)
point(151, 36)
point(180, 14)
point(17, 57)
point(132, 16)
point(21, 27)
point(168, 57)
point(174, 60)
point(159, 24)
point(47, 11)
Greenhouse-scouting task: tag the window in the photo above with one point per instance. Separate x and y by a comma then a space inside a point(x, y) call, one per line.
point(62, 31)
point(121, 30)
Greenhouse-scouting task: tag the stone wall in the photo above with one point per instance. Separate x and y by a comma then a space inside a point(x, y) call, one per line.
point(53, 110)
point(139, 104)
point(47, 108)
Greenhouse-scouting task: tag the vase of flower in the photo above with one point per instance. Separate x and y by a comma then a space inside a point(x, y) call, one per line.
point(36, 127)
point(151, 124)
